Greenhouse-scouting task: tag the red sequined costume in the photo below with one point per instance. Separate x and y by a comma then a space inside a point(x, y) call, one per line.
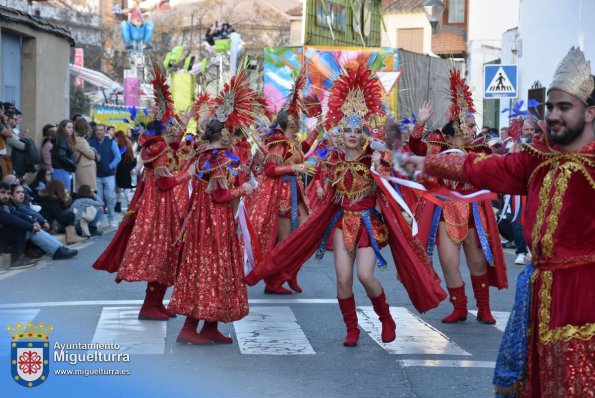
point(354, 197)
point(209, 283)
point(273, 197)
point(559, 224)
point(320, 179)
point(458, 215)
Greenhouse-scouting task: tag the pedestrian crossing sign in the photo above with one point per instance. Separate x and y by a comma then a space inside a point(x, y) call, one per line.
point(500, 81)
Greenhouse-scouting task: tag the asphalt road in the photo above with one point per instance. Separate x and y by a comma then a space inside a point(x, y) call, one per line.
point(289, 346)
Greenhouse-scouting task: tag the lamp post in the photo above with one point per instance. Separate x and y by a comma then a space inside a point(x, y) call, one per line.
point(434, 10)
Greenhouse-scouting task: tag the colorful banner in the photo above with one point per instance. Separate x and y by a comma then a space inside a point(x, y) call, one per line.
point(79, 60)
point(111, 115)
point(132, 91)
point(323, 65)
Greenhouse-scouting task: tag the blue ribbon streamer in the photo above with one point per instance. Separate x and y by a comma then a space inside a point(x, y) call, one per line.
point(294, 200)
point(512, 356)
point(483, 239)
point(366, 214)
point(327, 232)
point(433, 232)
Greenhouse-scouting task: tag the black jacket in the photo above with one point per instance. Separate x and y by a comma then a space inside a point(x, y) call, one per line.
point(12, 220)
point(62, 156)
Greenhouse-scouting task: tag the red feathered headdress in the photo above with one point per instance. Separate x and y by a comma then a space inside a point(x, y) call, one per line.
point(461, 100)
point(238, 105)
point(164, 104)
point(354, 97)
point(202, 109)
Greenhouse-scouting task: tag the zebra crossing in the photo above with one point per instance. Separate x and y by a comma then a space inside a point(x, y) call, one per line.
point(267, 330)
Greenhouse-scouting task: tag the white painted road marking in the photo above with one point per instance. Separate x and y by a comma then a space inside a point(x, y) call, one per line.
point(271, 331)
point(501, 318)
point(414, 336)
point(121, 325)
point(447, 363)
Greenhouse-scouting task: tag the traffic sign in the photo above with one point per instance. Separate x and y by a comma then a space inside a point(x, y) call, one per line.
point(500, 81)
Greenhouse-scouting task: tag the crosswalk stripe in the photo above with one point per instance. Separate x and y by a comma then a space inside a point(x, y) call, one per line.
point(414, 336)
point(121, 325)
point(446, 363)
point(271, 331)
point(11, 317)
point(501, 318)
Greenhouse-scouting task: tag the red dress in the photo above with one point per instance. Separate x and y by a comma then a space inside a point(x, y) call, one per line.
point(150, 252)
point(273, 197)
point(350, 204)
point(559, 225)
point(459, 216)
point(209, 284)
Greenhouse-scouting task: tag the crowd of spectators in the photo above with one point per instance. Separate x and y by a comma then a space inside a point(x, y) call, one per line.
point(72, 184)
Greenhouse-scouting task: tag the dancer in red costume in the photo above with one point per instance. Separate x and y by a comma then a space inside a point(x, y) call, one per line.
point(547, 348)
point(209, 285)
point(459, 223)
point(143, 249)
point(279, 205)
point(320, 184)
point(350, 209)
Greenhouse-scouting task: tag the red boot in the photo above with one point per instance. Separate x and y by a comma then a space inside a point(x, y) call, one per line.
point(347, 307)
point(388, 324)
point(159, 300)
point(293, 284)
point(459, 301)
point(150, 310)
point(188, 334)
point(481, 290)
point(274, 285)
point(209, 331)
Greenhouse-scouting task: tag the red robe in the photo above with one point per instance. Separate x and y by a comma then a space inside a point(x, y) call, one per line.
point(209, 284)
point(559, 226)
point(354, 194)
point(150, 251)
point(458, 215)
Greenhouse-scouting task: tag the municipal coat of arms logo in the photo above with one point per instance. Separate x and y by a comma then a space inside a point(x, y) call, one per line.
point(29, 353)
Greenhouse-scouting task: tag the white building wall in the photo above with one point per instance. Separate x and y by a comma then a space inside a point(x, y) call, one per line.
point(547, 30)
point(413, 20)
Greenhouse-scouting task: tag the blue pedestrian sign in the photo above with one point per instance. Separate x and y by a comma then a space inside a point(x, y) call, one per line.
point(500, 81)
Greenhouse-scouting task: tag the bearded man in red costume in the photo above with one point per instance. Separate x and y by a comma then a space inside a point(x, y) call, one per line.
point(547, 348)
point(458, 223)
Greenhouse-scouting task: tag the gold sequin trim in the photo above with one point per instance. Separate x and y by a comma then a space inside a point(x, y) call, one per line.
point(543, 205)
point(564, 333)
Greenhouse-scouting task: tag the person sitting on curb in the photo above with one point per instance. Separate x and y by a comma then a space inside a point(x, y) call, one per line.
point(46, 242)
point(14, 231)
point(88, 212)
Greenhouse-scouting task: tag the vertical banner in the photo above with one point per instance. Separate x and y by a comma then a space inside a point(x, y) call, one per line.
point(132, 91)
point(79, 60)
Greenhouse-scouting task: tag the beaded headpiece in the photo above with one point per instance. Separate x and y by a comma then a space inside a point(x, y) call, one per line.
point(164, 103)
point(573, 76)
point(461, 102)
point(354, 97)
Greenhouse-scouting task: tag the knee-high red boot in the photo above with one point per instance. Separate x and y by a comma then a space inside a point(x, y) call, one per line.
point(388, 323)
point(274, 285)
point(459, 301)
point(150, 309)
point(159, 301)
point(188, 334)
point(481, 290)
point(209, 331)
point(347, 307)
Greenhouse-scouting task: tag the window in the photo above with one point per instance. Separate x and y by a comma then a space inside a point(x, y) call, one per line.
point(411, 39)
point(456, 11)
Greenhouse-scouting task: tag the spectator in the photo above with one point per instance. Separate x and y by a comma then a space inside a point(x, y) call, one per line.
point(63, 161)
point(14, 230)
point(124, 170)
point(110, 131)
point(108, 159)
point(55, 207)
point(5, 161)
point(86, 168)
point(13, 143)
point(93, 127)
point(41, 181)
point(49, 137)
point(42, 239)
point(530, 129)
point(88, 210)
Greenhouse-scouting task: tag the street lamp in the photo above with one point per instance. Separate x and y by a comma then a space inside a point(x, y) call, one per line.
point(434, 10)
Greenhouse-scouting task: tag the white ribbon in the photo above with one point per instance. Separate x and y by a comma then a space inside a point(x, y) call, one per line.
point(398, 199)
point(242, 219)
